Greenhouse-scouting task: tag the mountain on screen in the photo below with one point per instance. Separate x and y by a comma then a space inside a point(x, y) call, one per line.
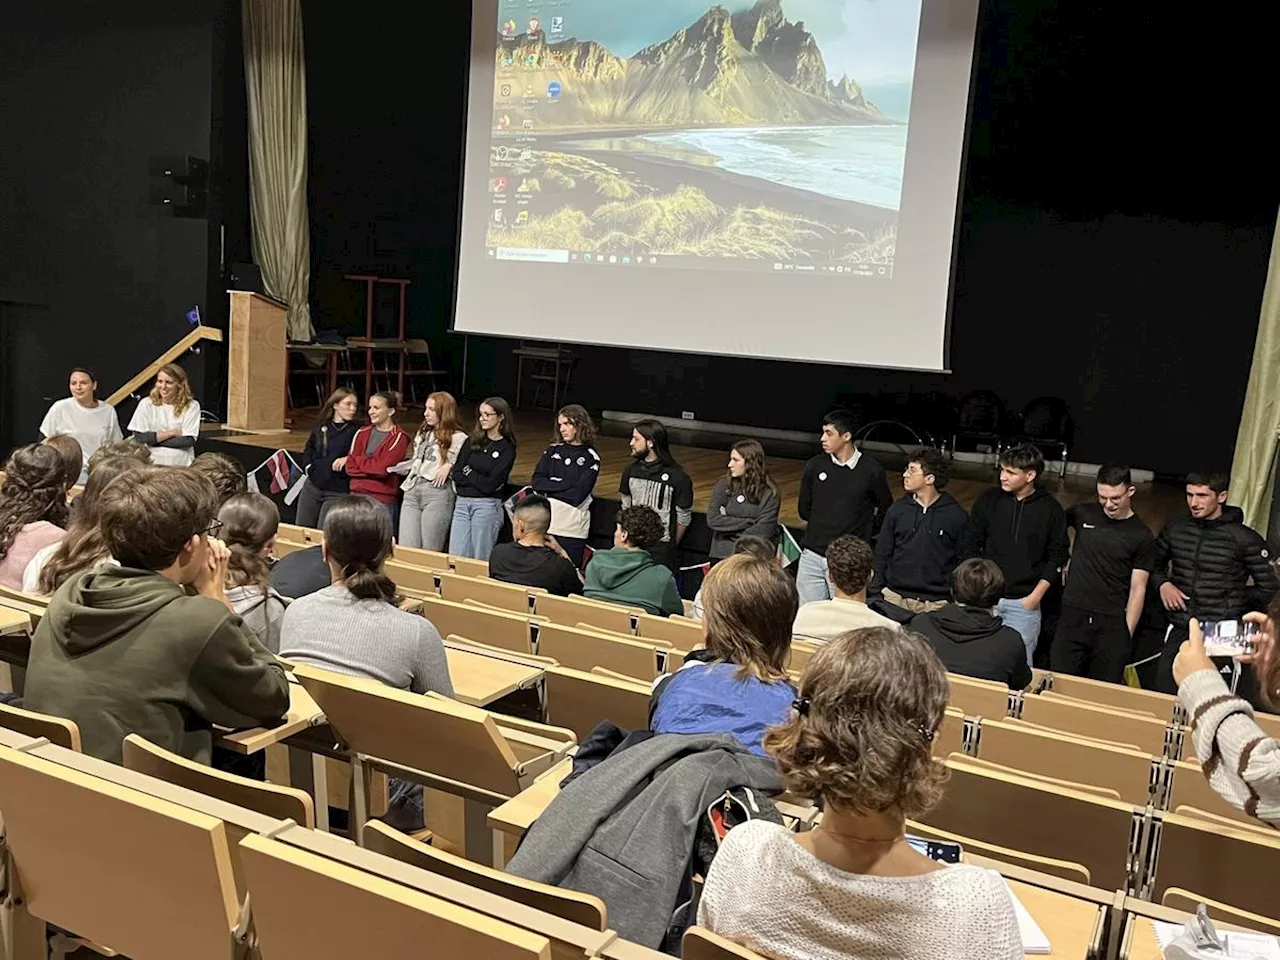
point(749, 68)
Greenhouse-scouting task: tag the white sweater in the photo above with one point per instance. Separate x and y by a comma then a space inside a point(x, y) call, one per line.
point(768, 893)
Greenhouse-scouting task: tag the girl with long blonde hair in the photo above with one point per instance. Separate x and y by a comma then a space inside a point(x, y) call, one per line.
point(427, 509)
point(168, 420)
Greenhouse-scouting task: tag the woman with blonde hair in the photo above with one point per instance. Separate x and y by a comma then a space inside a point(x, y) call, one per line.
point(859, 740)
point(325, 455)
point(738, 684)
point(427, 509)
point(744, 502)
point(249, 524)
point(168, 420)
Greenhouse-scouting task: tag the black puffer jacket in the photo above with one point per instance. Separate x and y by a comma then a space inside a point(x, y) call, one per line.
point(1212, 561)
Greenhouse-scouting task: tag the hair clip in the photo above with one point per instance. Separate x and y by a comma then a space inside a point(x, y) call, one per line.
point(925, 733)
point(801, 705)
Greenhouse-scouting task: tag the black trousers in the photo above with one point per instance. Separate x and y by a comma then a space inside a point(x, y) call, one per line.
point(1164, 666)
point(1093, 645)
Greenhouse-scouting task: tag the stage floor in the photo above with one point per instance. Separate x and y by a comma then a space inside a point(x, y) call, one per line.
point(1156, 503)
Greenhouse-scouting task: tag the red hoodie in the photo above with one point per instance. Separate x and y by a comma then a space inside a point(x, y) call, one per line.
point(369, 473)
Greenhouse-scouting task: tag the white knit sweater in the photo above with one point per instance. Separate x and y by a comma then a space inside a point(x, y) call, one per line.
point(768, 893)
point(1240, 760)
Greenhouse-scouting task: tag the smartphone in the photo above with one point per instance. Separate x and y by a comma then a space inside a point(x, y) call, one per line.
point(938, 850)
point(1229, 638)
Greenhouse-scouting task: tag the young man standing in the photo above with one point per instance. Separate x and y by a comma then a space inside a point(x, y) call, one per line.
point(1024, 530)
point(1203, 562)
point(1106, 582)
point(849, 563)
point(843, 492)
point(653, 479)
point(919, 544)
point(124, 649)
point(533, 558)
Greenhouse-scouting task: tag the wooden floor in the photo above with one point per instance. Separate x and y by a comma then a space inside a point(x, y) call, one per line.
point(1155, 503)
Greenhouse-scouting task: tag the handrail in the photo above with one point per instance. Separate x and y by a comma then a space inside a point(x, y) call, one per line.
point(173, 353)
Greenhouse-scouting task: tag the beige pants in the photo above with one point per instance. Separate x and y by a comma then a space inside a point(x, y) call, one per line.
point(915, 606)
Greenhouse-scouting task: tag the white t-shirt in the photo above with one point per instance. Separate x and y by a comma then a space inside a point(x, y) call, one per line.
point(768, 893)
point(154, 417)
point(91, 427)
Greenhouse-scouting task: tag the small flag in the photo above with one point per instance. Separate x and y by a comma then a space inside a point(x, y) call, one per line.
point(193, 316)
point(282, 474)
point(788, 549)
point(278, 467)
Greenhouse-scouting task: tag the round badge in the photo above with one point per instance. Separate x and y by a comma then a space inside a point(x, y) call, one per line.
point(666, 477)
point(495, 454)
point(1264, 553)
point(822, 476)
point(581, 461)
point(741, 498)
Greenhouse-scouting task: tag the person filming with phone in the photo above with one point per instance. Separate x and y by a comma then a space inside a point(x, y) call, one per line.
point(1241, 762)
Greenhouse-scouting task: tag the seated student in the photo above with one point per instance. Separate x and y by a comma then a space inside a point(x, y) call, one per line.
point(849, 568)
point(752, 546)
point(628, 573)
point(90, 421)
point(70, 457)
point(967, 635)
point(224, 472)
point(738, 684)
point(123, 649)
point(168, 419)
point(859, 741)
point(533, 558)
point(83, 546)
point(121, 448)
point(301, 573)
point(33, 509)
point(353, 626)
point(249, 524)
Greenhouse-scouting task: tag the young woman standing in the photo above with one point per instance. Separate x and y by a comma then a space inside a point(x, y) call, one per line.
point(484, 467)
point(83, 416)
point(168, 421)
point(324, 456)
point(744, 502)
point(566, 474)
point(375, 449)
point(427, 510)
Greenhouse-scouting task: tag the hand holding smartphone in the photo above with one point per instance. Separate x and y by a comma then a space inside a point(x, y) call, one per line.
point(1229, 638)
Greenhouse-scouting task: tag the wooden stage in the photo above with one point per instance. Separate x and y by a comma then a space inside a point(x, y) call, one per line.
point(1155, 503)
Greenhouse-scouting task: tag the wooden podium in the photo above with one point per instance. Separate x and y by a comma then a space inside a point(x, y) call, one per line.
point(257, 362)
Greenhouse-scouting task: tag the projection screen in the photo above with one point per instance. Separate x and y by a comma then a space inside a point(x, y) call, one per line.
point(772, 179)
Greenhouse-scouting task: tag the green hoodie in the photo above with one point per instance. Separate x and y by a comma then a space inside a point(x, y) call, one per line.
point(124, 651)
point(634, 578)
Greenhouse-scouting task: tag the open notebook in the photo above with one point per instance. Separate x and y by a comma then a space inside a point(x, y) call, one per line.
point(1033, 939)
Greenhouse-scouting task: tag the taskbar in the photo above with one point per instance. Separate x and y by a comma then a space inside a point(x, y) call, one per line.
point(633, 261)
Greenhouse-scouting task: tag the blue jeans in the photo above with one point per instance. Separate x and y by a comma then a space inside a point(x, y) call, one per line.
point(477, 521)
point(1026, 622)
point(811, 578)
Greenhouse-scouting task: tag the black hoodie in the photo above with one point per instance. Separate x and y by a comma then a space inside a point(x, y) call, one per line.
point(1026, 538)
point(973, 643)
point(917, 548)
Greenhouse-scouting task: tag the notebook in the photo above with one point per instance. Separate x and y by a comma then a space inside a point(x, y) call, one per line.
point(1033, 939)
point(1240, 946)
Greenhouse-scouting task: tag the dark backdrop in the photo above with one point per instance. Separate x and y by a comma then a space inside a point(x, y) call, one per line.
point(1118, 208)
point(90, 273)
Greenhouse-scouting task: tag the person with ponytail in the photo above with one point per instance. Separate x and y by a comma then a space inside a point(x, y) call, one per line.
point(33, 509)
point(375, 451)
point(83, 546)
point(858, 741)
point(325, 455)
point(249, 523)
point(427, 510)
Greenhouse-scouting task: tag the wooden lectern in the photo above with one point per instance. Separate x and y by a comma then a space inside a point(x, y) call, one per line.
point(257, 362)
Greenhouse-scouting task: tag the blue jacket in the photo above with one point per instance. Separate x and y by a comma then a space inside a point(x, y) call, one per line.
point(711, 698)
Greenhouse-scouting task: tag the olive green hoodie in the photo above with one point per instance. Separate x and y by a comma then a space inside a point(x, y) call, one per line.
point(123, 651)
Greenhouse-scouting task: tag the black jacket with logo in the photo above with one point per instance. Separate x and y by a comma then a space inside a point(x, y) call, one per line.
point(1211, 561)
point(917, 549)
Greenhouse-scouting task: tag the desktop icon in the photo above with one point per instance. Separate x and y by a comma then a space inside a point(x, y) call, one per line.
point(535, 26)
point(526, 154)
point(506, 90)
point(508, 28)
point(526, 186)
point(586, 258)
point(557, 24)
point(528, 90)
point(653, 260)
point(508, 58)
point(527, 123)
point(553, 90)
point(504, 122)
point(626, 261)
point(499, 216)
point(530, 61)
point(612, 258)
point(522, 216)
point(497, 184)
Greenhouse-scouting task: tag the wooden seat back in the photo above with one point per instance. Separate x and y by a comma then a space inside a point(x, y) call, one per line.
point(1046, 820)
point(569, 610)
point(583, 649)
point(436, 735)
point(1049, 754)
point(431, 559)
point(64, 733)
point(349, 911)
point(1225, 863)
point(268, 799)
point(284, 547)
point(1189, 902)
point(469, 567)
point(950, 737)
point(492, 593)
point(1047, 780)
point(701, 944)
point(139, 875)
point(410, 577)
point(801, 651)
point(1073, 716)
point(1190, 789)
point(510, 631)
point(577, 907)
point(308, 535)
point(1160, 705)
point(579, 700)
point(979, 698)
point(685, 634)
point(1065, 869)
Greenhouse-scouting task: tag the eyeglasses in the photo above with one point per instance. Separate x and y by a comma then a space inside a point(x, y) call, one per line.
point(912, 471)
point(488, 416)
point(213, 529)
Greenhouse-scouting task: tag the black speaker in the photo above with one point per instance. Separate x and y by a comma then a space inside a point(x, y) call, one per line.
point(188, 170)
point(178, 184)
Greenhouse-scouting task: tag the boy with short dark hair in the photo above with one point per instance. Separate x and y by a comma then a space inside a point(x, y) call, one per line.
point(123, 649)
point(533, 558)
point(849, 565)
point(628, 574)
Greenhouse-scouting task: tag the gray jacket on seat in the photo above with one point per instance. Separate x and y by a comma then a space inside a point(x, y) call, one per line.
point(624, 830)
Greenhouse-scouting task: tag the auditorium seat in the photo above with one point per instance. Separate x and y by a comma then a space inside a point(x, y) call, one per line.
point(1074, 716)
point(469, 567)
point(431, 559)
point(509, 631)
point(1232, 865)
point(1162, 706)
point(598, 613)
point(1189, 788)
point(686, 634)
point(408, 577)
point(1189, 902)
point(582, 649)
point(579, 700)
point(308, 535)
point(56, 730)
point(701, 944)
point(951, 734)
point(979, 698)
point(1065, 869)
point(283, 547)
point(1083, 786)
point(492, 593)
